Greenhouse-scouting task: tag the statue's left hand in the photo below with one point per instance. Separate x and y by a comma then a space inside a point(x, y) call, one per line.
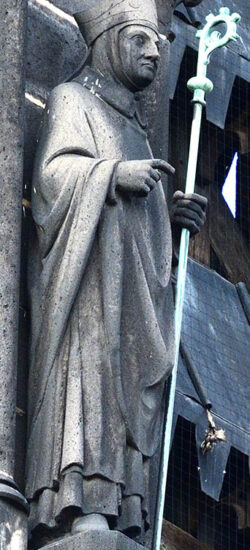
point(188, 211)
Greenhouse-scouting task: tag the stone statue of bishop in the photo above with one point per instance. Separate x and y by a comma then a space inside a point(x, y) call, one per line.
point(102, 304)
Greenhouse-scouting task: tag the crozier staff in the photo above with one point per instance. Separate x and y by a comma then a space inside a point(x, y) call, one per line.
point(102, 305)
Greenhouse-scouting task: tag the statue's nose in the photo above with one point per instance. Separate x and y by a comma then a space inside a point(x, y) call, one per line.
point(152, 52)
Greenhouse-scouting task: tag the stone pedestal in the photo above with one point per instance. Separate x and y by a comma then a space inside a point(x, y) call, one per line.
point(95, 540)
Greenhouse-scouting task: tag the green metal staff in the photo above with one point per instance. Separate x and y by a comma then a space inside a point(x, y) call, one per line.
point(210, 40)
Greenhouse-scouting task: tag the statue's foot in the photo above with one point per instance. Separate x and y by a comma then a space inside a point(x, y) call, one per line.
point(94, 522)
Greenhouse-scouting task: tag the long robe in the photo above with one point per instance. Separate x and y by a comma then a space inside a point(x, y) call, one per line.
point(102, 313)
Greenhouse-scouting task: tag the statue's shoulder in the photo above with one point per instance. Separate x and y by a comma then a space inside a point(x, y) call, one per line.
point(69, 93)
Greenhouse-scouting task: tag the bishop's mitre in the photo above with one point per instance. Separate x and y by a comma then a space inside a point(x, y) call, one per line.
point(98, 16)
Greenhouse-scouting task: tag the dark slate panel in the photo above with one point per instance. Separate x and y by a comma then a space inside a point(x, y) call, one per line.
point(184, 383)
point(187, 408)
point(217, 334)
point(194, 377)
point(188, 15)
point(218, 100)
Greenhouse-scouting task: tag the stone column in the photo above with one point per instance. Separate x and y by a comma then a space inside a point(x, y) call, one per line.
point(13, 506)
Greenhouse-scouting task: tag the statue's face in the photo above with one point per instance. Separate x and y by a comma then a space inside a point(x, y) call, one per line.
point(139, 54)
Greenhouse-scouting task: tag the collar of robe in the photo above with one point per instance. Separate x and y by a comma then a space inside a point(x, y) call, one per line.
point(117, 96)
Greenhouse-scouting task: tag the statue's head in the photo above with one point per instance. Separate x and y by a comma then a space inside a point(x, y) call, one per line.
point(123, 35)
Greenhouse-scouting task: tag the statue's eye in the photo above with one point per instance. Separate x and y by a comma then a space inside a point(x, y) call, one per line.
point(139, 40)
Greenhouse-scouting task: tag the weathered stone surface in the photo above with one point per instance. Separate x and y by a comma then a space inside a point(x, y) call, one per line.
point(69, 6)
point(13, 527)
point(55, 48)
point(13, 521)
point(93, 540)
point(12, 31)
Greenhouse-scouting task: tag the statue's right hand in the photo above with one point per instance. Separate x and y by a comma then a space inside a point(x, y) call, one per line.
point(140, 176)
